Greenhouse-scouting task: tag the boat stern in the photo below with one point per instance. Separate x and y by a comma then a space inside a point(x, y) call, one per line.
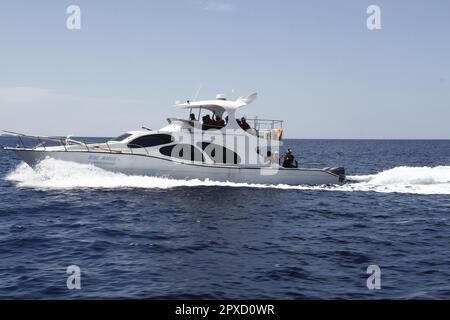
point(338, 171)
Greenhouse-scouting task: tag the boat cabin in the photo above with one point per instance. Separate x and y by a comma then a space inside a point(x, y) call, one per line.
point(210, 125)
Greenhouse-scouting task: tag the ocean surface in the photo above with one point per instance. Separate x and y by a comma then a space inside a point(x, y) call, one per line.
point(146, 237)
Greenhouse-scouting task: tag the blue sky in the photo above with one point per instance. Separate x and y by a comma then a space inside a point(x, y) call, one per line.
point(313, 63)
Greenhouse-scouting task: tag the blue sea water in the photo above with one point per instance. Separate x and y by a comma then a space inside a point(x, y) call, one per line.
point(144, 237)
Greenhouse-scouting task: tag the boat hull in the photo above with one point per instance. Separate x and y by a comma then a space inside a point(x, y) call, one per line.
point(134, 164)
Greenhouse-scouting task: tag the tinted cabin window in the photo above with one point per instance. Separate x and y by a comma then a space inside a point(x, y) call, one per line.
point(220, 154)
point(122, 137)
point(182, 151)
point(150, 140)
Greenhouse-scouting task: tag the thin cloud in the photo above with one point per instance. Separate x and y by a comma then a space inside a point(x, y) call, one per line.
point(215, 6)
point(41, 111)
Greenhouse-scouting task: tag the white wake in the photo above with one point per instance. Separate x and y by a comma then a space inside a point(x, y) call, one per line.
point(56, 174)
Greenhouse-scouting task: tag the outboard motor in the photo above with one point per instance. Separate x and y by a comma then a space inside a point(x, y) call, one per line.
point(340, 171)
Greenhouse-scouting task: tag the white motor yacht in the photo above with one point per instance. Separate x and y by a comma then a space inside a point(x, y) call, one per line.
point(210, 144)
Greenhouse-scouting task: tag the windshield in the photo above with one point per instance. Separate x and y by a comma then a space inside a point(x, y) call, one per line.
point(122, 137)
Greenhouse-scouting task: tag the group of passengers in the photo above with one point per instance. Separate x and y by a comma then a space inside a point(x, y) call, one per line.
point(217, 122)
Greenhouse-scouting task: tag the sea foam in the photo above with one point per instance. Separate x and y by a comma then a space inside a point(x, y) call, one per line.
point(56, 174)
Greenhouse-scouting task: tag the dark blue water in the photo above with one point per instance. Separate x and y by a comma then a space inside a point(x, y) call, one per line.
point(154, 239)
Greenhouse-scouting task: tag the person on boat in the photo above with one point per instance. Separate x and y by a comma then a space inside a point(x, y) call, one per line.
point(207, 120)
point(276, 158)
point(244, 125)
point(219, 122)
point(268, 158)
point(289, 160)
point(272, 158)
point(192, 117)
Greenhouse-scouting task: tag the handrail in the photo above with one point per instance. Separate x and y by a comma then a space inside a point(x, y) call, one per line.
point(50, 138)
point(139, 147)
point(40, 144)
point(19, 135)
point(64, 142)
point(21, 141)
point(274, 120)
point(257, 123)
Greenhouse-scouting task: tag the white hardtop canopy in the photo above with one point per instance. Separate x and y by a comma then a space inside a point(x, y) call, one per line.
point(219, 105)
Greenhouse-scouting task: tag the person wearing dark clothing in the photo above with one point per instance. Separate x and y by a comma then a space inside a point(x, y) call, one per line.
point(207, 120)
point(289, 160)
point(219, 122)
point(244, 125)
